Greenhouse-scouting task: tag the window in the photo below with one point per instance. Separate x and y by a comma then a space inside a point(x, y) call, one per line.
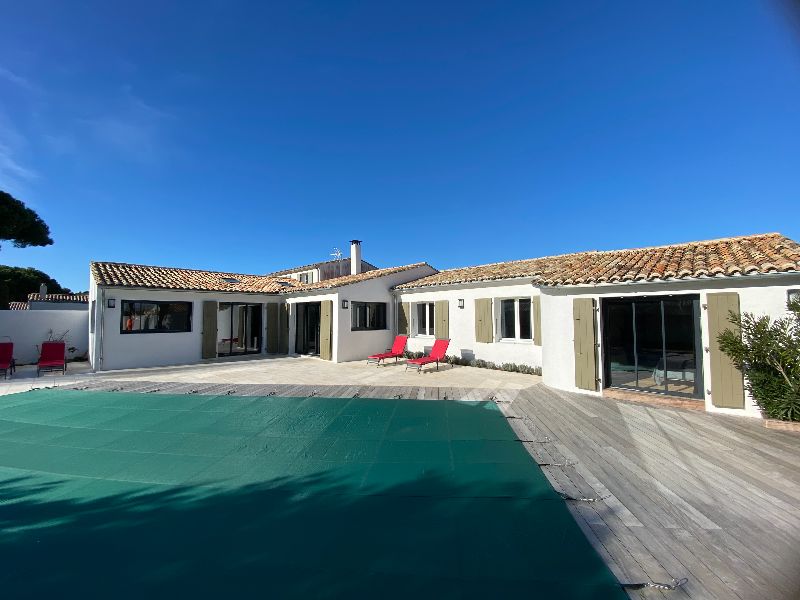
point(368, 316)
point(305, 277)
point(92, 317)
point(525, 322)
point(515, 319)
point(508, 319)
point(155, 317)
point(425, 318)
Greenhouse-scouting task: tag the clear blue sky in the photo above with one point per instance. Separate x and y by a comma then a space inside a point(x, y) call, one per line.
point(253, 136)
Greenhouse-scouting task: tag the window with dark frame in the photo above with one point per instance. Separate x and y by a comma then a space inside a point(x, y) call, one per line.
point(508, 326)
point(145, 316)
point(367, 316)
point(516, 322)
point(425, 318)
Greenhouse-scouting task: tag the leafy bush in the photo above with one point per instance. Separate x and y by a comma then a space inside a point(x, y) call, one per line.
point(481, 364)
point(768, 354)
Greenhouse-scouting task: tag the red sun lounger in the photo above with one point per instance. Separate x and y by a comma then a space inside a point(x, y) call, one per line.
point(52, 358)
point(396, 352)
point(6, 358)
point(437, 355)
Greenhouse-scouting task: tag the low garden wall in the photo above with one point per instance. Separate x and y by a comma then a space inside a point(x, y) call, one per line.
point(27, 329)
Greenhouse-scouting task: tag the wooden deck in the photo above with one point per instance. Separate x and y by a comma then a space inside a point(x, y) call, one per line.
point(685, 494)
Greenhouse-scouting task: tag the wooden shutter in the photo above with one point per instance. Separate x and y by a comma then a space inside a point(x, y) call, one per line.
point(483, 320)
point(727, 384)
point(326, 330)
point(585, 344)
point(273, 328)
point(441, 316)
point(536, 308)
point(404, 318)
point(209, 335)
point(283, 329)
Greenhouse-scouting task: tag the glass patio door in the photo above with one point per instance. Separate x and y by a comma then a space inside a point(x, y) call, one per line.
point(239, 328)
point(652, 344)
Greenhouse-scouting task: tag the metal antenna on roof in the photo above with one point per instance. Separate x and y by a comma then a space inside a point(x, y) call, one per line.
point(337, 256)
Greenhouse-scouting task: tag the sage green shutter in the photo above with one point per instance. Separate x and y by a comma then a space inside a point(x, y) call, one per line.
point(483, 320)
point(326, 330)
point(209, 335)
point(585, 344)
point(727, 384)
point(283, 329)
point(536, 308)
point(273, 328)
point(404, 318)
point(441, 316)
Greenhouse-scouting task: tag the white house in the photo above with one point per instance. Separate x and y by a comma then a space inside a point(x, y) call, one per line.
point(144, 316)
point(644, 320)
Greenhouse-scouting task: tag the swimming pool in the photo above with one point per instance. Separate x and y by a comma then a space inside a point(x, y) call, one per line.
point(114, 493)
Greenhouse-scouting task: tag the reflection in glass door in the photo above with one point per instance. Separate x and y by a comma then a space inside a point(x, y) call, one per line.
point(239, 328)
point(652, 344)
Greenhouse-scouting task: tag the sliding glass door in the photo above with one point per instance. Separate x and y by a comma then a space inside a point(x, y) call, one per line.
point(652, 344)
point(239, 328)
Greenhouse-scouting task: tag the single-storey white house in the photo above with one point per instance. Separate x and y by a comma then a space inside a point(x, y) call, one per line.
point(145, 316)
point(644, 320)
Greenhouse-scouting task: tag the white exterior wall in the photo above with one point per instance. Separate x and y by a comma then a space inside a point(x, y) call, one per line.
point(462, 321)
point(765, 295)
point(126, 351)
point(357, 345)
point(135, 350)
point(28, 329)
point(320, 296)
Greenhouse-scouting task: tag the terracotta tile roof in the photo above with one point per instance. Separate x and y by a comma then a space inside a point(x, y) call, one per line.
point(17, 306)
point(345, 266)
point(746, 255)
point(171, 278)
point(350, 279)
point(34, 297)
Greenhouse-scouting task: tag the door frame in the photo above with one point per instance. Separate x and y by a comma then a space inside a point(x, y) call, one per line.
point(698, 393)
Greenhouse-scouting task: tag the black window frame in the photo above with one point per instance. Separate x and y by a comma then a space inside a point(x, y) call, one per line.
point(357, 305)
point(124, 309)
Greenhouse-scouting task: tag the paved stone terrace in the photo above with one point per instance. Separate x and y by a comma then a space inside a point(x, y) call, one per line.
point(680, 493)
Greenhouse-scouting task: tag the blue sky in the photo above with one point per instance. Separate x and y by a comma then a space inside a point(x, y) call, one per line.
point(253, 136)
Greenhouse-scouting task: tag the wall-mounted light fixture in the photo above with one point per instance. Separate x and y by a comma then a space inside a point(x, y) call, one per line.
point(460, 303)
point(112, 302)
point(345, 304)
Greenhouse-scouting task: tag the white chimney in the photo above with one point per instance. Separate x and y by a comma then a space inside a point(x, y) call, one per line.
point(355, 257)
point(42, 291)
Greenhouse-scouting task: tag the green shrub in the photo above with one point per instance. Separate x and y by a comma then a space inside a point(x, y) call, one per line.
point(768, 354)
point(481, 364)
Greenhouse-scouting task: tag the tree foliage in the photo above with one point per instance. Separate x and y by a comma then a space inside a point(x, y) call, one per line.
point(17, 282)
point(21, 225)
point(768, 353)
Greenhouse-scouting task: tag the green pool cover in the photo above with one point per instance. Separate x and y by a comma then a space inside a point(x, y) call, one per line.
point(111, 494)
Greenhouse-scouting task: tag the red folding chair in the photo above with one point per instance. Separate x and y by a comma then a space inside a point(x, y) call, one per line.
point(396, 352)
point(437, 355)
point(7, 358)
point(52, 358)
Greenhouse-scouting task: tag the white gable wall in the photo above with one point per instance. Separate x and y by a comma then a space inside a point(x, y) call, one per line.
point(357, 345)
point(462, 321)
